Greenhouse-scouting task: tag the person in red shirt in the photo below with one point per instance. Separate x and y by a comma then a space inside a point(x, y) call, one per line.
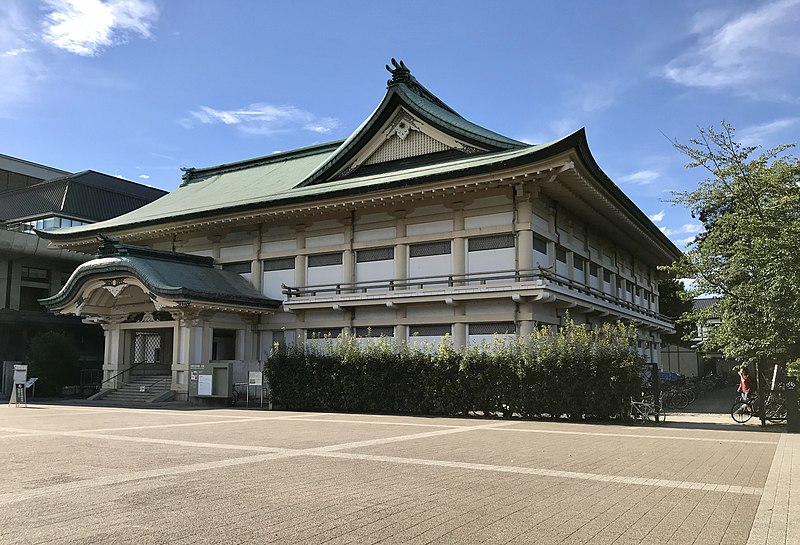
point(744, 382)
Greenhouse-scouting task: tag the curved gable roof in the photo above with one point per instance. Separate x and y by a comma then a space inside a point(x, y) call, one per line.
point(404, 91)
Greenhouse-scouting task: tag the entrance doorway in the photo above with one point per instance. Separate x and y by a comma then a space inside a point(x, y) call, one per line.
point(152, 352)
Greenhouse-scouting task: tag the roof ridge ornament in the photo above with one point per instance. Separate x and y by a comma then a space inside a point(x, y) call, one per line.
point(400, 73)
point(111, 246)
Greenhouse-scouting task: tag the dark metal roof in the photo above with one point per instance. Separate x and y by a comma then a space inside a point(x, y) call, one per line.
point(702, 303)
point(87, 195)
point(167, 274)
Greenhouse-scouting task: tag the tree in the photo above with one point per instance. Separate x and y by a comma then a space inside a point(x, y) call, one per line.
point(675, 303)
point(53, 357)
point(749, 251)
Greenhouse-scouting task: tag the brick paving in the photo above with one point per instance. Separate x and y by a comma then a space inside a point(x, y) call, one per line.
point(84, 474)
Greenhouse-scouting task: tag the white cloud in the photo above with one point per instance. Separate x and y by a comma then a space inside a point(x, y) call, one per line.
point(20, 69)
point(144, 176)
point(640, 177)
point(657, 217)
point(756, 53)
point(760, 135)
point(262, 119)
point(685, 229)
point(688, 283)
point(86, 27)
point(683, 242)
point(15, 52)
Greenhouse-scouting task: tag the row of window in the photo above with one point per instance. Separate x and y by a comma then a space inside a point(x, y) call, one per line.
point(424, 330)
point(477, 244)
point(50, 223)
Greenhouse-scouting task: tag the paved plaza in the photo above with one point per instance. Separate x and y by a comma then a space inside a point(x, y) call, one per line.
point(89, 474)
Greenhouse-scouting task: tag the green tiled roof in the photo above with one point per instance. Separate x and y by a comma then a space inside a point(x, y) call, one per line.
point(273, 182)
point(172, 275)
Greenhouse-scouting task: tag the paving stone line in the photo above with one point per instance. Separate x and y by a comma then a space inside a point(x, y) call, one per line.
point(641, 436)
point(776, 520)
point(639, 481)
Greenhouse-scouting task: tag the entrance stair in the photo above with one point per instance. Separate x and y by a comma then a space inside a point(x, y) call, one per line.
point(141, 389)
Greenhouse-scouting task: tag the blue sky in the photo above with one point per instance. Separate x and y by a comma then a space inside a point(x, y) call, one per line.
point(140, 88)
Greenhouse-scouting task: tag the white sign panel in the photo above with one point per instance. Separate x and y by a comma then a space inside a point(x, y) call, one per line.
point(255, 378)
point(204, 385)
point(20, 373)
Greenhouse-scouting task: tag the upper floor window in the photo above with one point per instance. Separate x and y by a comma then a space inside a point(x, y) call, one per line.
point(494, 328)
point(429, 248)
point(375, 331)
point(606, 276)
point(561, 254)
point(578, 262)
point(374, 254)
point(594, 270)
point(494, 242)
point(242, 267)
point(539, 244)
point(279, 264)
point(323, 260)
point(33, 274)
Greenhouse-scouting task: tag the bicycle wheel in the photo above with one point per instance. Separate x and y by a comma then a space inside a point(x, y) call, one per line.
point(775, 410)
point(662, 414)
point(679, 400)
point(741, 412)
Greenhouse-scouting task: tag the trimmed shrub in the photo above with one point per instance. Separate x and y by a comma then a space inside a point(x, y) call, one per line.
point(574, 372)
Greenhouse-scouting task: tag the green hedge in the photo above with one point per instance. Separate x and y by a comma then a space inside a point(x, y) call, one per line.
point(575, 372)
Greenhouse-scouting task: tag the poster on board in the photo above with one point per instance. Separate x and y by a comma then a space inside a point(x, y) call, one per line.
point(204, 385)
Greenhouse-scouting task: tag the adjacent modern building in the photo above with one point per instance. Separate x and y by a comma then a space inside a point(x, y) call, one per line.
point(37, 197)
point(419, 224)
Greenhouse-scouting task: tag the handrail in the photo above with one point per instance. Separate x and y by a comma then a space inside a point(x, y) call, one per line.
point(135, 365)
point(452, 280)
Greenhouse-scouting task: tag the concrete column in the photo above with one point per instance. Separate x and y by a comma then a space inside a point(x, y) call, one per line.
point(400, 249)
point(348, 256)
point(525, 327)
point(241, 344)
point(348, 267)
point(400, 262)
point(524, 231)
point(115, 351)
point(459, 256)
point(300, 260)
point(4, 280)
point(15, 280)
point(257, 270)
point(401, 332)
point(459, 335)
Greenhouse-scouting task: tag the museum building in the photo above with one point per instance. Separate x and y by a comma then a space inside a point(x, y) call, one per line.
point(420, 224)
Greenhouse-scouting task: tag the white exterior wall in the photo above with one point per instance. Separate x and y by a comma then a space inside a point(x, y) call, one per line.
point(375, 270)
point(430, 265)
point(327, 274)
point(271, 285)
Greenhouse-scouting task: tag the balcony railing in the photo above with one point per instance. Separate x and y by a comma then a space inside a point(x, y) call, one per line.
point(541, 276)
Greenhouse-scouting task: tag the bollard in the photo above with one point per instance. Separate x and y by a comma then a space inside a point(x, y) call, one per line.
point(792, 409)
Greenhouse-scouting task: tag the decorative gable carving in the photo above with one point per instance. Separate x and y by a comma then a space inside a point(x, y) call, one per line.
point(403, 137)
point(408, 143)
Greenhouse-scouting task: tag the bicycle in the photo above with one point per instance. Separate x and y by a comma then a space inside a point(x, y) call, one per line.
point(675, 398)
point(647, 410)
point(742, 410)
point(774, 408)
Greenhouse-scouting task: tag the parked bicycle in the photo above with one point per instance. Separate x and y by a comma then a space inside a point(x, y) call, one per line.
point(647, 410)
point(675, 398)
point(774, 408)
